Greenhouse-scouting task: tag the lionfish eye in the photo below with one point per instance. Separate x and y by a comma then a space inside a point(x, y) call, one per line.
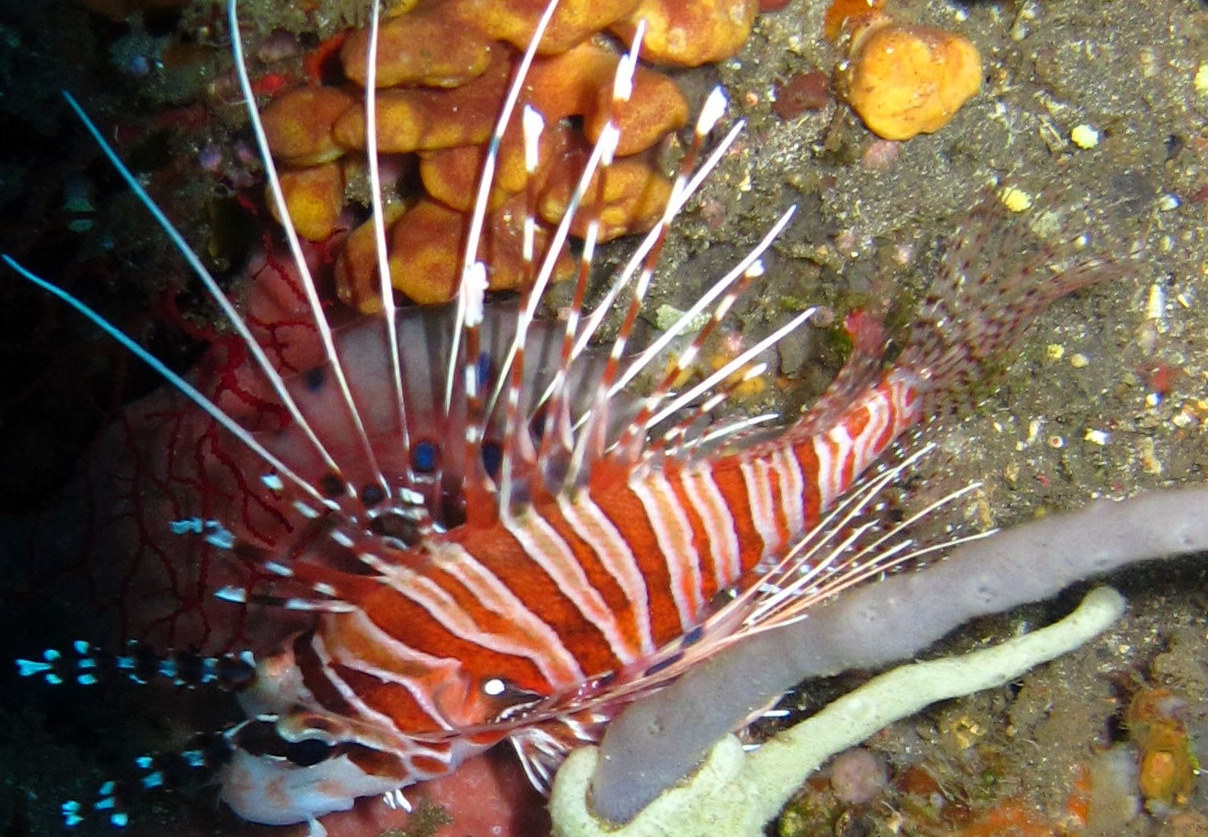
point(423, 457)
point(513, 700)
point(506, 690)
point(308, 752)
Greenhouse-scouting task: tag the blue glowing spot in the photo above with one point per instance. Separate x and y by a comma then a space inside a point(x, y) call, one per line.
point(28, 668)
point(484, 369)
point(492, 458)
point(423, 457)
point(314, 378)
point(219, 536)
point(188, 526)
point(71, 813)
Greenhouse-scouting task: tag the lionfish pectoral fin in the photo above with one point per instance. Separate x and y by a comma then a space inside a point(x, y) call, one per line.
point(542, 749)
point(195, 766)
point(87, 665)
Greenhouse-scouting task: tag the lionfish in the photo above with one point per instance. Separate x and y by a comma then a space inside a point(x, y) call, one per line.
point(521, 547)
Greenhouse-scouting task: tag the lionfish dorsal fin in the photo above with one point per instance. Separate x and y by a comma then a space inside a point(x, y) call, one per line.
point(518, 459)
point(308, 285)
point(257, 352)
point(385, 291)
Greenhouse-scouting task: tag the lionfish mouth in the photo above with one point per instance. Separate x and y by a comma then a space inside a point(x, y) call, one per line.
point(418, 533)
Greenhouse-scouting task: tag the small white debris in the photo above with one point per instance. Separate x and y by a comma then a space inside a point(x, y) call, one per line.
point(1034, 428)
point(1148, 456)
point(1084, 136)
point(1169, 202)
point(1184, 418)
point(1015, 199)
point(668, 315)
point(1097, 437)
point(1155, 305)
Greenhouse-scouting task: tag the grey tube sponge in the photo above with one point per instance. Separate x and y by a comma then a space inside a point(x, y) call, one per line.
point(734, 792)
point(659, 740)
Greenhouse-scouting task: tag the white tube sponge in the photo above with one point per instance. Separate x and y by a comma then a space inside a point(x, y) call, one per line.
point(658, 740)
point(735, 793)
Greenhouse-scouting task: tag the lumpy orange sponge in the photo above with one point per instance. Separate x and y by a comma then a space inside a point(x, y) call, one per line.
point(443, 68)
point(688, 34)
point(904, 80)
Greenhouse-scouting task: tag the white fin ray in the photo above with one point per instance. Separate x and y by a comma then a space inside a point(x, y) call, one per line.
point(487, 180)
point(214, 291)
point(295, 246)
point(640, 256)
point(188, 390)
point(653, 239)
point(739, 271)
point(590, 443)
point(729, 369)
point(719, 434)
point(389, 309)
point(678, 438)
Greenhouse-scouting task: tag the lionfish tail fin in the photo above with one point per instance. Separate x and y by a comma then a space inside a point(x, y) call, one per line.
point(995, 277)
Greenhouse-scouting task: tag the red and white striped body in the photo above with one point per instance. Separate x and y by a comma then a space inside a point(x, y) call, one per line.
point(529, 627)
